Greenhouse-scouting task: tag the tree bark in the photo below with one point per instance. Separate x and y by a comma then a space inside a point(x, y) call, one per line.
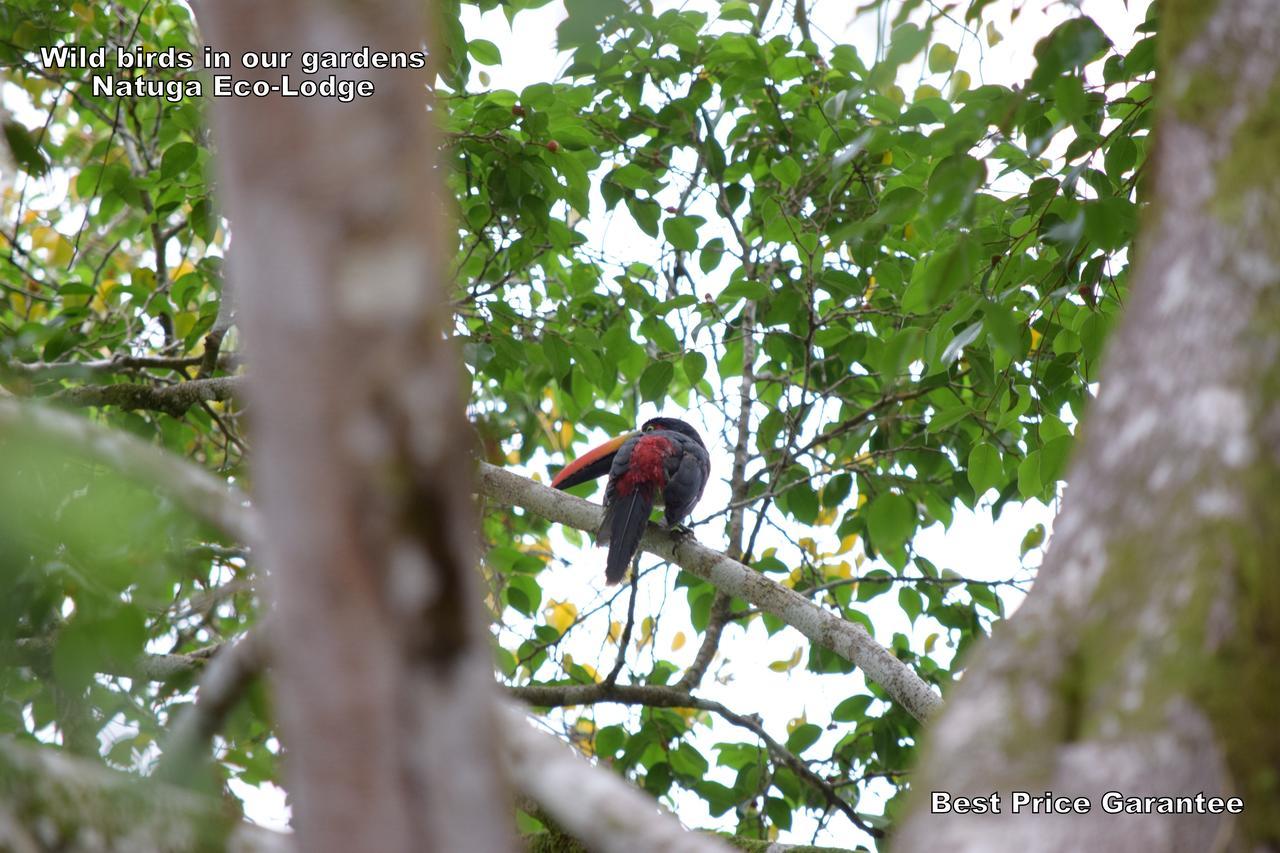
point(1144, 661)
point(363, 473)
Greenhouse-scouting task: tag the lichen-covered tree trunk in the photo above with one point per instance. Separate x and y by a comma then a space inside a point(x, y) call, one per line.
point(1146, 660)
point(362, 467)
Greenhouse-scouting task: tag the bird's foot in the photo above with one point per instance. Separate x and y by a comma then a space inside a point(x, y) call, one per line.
point(681, 532)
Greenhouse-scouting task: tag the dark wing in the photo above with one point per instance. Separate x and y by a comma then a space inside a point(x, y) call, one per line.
point(688, 470)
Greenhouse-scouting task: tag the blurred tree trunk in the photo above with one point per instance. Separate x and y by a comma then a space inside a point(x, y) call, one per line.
point(384, 681)
point(1147, 658)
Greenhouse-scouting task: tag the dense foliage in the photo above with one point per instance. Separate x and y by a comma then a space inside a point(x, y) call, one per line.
point(912, 286)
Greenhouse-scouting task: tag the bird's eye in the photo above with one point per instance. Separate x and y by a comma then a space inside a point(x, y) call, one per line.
point(648, 427)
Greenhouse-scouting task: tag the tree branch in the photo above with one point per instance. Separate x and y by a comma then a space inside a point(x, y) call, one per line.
point(52, 801)
point(205, 496)
point(828, 630)
point(223, 682)
point(170, 399)
point(600, 809)
point(661, 696)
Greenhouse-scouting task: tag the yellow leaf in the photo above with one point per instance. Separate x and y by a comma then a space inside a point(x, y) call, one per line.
point(960, 83)
point(808, 545)
point(792, 579)
point(768, 552)
point(1036, 337)
point(871, 288)
point(677, 642)
point(862, 499)
point(615, 632)
point(908, 231)
point(583, 736)
point(646, 633)
point(927, 91)
point(847, 543)
point(929, 642)
point(839, 571)
point(887, 159)
point(826, 516)
point(560, 614)
point(788, 664)
point(993, 35)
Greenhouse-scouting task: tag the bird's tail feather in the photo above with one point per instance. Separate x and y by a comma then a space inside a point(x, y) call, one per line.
point(623, 525)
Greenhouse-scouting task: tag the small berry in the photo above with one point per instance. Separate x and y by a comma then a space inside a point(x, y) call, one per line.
point(553, 146)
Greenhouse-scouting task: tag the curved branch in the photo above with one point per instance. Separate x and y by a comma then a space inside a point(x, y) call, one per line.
point(200, 493)
point(69, 803)
point(661, 696)
point(828, 630)
point(600, 809)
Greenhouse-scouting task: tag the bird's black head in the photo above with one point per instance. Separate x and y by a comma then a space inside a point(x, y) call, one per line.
point(675, 425)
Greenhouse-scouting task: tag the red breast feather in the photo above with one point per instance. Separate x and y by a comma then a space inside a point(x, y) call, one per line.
point(647, 468)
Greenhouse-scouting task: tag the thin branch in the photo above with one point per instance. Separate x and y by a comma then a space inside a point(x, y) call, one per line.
point(661, 696)
point(32, 651)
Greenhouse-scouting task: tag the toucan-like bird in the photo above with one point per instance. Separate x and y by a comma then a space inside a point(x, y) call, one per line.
point(665, 462)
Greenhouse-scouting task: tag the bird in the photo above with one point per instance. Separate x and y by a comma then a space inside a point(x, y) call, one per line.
point(664, 462)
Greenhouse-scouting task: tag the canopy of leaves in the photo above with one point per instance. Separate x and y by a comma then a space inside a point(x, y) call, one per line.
point(915, 287)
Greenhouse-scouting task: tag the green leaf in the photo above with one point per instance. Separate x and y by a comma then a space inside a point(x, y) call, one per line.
point(853, 708)
point(26, 151)
point(952, 187)
point(656, 380)
point(1121, 156)
point(787, 171)
point(936, 279)
point(985, 470)
point(177, 158)
point(891, 519)
point(1033, 539)
point(484, 51)
point(711, 255)
point(681, 232)
point(695, 366)
point(1029, 475)
point(907, 40)
point(910, 602)
point(941, 58)
point(804, 736)
point(1002, 328)
point(1109, 223)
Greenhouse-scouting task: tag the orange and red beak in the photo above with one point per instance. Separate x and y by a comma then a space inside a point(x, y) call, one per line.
point(590, 465)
